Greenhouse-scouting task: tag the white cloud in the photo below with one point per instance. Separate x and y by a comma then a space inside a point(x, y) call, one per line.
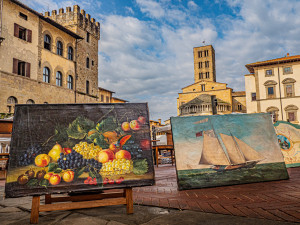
point(192, 5)
point(151, 8)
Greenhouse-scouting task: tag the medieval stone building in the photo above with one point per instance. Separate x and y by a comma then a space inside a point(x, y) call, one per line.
point(50, 58)
point(200, 98)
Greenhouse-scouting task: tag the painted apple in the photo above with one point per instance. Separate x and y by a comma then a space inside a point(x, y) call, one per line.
point(42, 160)
point(134, 125)
point(68, 176)
point(145, 144)
point(55, 179)
point(123, 154)
point(125, 126)
point(142, 120)
point(112, 147)
point(67, 151)
point(106, 156)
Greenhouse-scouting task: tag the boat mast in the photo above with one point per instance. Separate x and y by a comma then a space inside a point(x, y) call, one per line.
point(220, 142)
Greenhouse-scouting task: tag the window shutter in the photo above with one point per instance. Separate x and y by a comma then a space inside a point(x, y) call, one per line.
point(16, 30)
point(15, 66)
point(27, 69)
point(29, 36)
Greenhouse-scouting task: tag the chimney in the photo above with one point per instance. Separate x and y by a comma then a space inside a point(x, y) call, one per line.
point(287, 54)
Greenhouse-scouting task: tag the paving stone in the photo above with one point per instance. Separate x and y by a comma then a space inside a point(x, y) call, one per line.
point(10, 210)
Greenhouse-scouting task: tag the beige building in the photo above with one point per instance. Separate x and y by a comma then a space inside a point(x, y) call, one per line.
point(50, 58)
point(199, 97)
point(274, 86)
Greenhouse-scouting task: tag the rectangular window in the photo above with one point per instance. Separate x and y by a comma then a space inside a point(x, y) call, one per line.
point(102, 98)
point(205, 53)
point(200, 65)
point(289, 90)
point(287, 70)
point(203, 87)
point(23, 16)
point(270, 91)
point(21, 68)
point(199, 54)
point(207, 74)
point(107, 99)
point(239, 107)
point(200, 75)
point(291, 116)
point(253, 96)
point(87, 87)
point(87, 37)
point(206, 64)
point(269, 72)
point(22, 33)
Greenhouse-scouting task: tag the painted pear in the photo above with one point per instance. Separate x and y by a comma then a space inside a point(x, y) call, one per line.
point(54, 153)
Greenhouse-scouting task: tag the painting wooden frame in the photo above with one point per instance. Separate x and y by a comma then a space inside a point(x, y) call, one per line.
point(223, 150)
point(59, 148)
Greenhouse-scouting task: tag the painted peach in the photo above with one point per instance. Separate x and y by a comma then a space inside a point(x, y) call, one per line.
point(125, 126)
point(106, 156)
point(67, 151)
point(47, 176)
point(134, 125)
point(123, 154)
point(42, 160)
point(68, 176)
point(112, 147)
point(55, 179)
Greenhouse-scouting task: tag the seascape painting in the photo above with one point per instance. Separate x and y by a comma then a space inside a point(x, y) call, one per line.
point(79, 147)
point(288, 135)
point(223, 150)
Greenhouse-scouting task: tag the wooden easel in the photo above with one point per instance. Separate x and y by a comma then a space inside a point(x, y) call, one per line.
point(81, 201)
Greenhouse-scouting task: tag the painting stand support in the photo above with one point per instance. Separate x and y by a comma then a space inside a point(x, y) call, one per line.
point(81, 201)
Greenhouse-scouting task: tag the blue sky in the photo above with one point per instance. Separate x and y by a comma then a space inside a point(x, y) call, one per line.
point(146, 46)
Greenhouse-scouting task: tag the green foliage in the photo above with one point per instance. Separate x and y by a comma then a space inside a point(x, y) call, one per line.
point(33, 182)
point(108, 124)
point(78, 172)
point(79, 128)
point(140, 166)
point(52, 167)
point(44, 183)
point(101, 141)
point(60, 134)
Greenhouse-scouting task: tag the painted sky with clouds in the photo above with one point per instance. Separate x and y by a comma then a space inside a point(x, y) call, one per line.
point(146, 46)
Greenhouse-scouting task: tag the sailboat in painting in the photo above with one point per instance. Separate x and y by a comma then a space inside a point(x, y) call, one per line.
point(237, 154)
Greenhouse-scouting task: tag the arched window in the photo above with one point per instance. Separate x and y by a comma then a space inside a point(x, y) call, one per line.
point(70, 82)
point(30, 101)
point(70, 53)
point(87, 62)
point(58, 78)
point(46, 75)
point(11, 101)
point(59, 48)
point(291, 112)
point(87, 87)
point(274, 113)
point(47, 42)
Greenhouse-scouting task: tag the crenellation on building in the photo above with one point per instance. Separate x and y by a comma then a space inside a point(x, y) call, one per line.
point(49, 59)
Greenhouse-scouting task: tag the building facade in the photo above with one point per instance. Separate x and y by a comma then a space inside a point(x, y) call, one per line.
point(273, 86)
point(50, 58)
point(200, 97)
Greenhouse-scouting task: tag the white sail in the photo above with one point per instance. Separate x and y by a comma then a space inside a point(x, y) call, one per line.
point(249, 153)
point(212, 152)
point(235, 155)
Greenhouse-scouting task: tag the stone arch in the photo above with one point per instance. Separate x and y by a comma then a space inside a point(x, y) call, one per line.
point(288, 81)
point(30, 101)
point(46, 64)
point(12, 100)
point(60, 69)
point(46, 32)
point(273, 110)
point(270, 82)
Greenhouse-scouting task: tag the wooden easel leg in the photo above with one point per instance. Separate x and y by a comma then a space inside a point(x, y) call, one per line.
point(34, 218)
point(156, 156)
point(129, 200)
point(48, 199)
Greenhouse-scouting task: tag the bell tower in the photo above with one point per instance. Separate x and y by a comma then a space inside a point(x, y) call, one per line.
point(204, 64)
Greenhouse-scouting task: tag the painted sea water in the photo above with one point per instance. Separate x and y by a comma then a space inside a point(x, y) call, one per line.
point(225, 150)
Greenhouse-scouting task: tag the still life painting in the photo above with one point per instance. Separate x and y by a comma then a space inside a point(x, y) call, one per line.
point(79, 147)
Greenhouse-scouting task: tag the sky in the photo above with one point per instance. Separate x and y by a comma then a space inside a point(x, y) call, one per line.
point(146, 46)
